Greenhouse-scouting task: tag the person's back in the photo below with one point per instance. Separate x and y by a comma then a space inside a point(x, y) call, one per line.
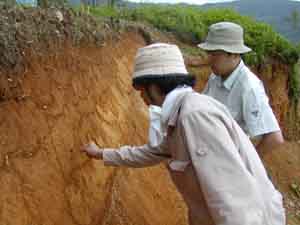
point(224, 134)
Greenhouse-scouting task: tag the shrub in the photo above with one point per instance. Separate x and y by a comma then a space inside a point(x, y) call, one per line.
point(191, 25)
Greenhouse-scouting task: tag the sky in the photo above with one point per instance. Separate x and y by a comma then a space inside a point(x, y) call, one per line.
point(198, 2)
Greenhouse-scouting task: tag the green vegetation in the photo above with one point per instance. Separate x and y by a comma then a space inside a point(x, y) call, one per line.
point(296, 189)
point(191, 24)
point(294, 19)
point(105, 11)
point(294, 83)
point(8, 2)
point(48, 3)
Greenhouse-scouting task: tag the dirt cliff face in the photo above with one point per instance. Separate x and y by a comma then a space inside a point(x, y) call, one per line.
point(76, 95)
point(275, 78)
point(63, 101)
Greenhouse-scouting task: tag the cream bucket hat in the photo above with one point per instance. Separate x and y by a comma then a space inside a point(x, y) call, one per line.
point(159, 59)
point(225, 36)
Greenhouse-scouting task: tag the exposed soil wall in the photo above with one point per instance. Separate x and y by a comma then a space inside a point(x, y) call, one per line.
point(69, 97)
point(65, 100)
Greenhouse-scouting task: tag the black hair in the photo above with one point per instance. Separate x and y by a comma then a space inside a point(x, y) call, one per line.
point(166, 83)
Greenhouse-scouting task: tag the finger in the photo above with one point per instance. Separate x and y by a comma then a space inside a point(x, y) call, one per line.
point(83, 149)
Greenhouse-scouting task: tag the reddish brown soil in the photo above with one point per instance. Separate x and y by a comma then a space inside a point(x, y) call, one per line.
point(66, 99)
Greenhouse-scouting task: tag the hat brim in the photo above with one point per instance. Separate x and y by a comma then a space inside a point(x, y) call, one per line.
point(237, 49)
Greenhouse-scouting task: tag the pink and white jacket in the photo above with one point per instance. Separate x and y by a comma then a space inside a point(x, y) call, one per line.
point(212, 163)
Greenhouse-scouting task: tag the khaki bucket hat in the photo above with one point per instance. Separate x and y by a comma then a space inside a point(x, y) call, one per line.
point(159, 59)
point(225, 36)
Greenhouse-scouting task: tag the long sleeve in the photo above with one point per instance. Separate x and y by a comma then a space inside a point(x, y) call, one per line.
point(230, 191)
point(135, 156)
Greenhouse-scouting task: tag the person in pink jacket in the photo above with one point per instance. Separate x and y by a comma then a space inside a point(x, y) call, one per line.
point(211, 160)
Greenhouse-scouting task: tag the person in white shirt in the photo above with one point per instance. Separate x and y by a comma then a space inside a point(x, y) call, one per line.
point(233, 84)
point(210, 159)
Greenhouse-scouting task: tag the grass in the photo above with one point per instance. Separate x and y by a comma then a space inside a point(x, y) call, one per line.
point(190, 25)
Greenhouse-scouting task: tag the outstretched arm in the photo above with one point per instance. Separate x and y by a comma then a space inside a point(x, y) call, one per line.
point(130, 156)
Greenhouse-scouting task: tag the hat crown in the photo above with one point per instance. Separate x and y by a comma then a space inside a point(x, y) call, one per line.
point(159, 59)
point(224, 33)
point(226, 36)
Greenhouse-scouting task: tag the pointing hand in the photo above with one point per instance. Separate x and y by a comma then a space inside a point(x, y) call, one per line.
point(92, 150)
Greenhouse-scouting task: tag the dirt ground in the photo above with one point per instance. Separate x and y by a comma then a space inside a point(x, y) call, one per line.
point(283, 166)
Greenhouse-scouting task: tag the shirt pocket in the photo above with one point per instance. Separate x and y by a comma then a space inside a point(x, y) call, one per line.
point(179, 165)
point(235, 110)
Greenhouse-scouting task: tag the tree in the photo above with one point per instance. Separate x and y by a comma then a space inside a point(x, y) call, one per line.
point(48, 3)
point(43, 3)
point(112, 3)
point(294, 19)
point(8, 2)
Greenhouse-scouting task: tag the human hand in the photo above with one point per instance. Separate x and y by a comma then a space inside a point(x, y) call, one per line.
point(92, 150)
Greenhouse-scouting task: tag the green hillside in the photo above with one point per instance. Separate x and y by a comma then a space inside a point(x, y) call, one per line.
point(277, 13)
point(190, 24)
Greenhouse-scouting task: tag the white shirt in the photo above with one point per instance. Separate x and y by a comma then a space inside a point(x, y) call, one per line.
point(244, 95)
point(155, 134)
point(213, 165)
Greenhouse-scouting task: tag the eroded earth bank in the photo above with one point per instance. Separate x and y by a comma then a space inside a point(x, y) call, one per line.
point(62, 100)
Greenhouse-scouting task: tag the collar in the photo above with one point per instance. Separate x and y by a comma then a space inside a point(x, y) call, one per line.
point(171, 105)
point(228, 83)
